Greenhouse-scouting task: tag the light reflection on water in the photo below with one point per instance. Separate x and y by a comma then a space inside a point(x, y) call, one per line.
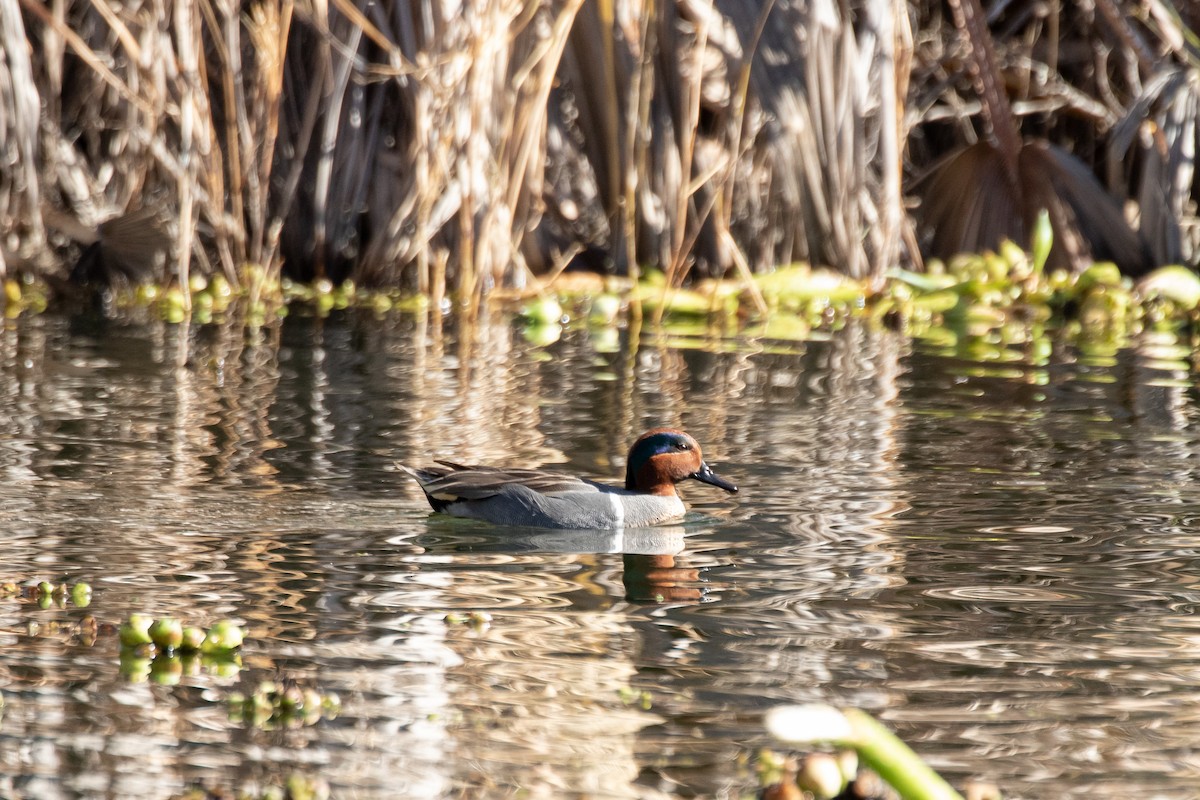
point(997, 556)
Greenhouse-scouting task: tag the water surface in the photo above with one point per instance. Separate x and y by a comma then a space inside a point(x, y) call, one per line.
point(993, 551)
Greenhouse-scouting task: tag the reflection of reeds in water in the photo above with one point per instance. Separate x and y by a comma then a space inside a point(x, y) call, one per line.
point(448, 149)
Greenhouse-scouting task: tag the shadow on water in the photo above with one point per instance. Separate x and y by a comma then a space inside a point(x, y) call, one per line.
point(995, 554)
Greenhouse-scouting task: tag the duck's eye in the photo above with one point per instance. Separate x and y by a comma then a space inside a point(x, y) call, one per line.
point(682, 446)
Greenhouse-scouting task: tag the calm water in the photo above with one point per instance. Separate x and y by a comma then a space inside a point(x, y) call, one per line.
point(993, 551)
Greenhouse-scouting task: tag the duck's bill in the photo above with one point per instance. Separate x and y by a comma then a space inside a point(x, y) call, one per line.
point(706, 475)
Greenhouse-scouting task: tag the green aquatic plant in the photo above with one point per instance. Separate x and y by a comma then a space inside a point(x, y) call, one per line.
point(135, 631)
point(631, 696)
point(478, 621)
point(818, 775)
point(878, 748)
point(223, 636)
point(296, 787)
point(1001, 298)
point(81, 595)
point(48, 596)
point(167, 634)
point(282, 704)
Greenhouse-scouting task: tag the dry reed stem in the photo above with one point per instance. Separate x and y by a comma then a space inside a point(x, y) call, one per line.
point(81, 49)
point(636, 155)
point(19, 95)
point(404, 142)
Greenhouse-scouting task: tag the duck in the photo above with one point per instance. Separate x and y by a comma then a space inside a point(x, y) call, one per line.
point(658, 460)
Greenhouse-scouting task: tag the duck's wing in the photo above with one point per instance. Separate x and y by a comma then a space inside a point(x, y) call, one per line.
point(450, 482)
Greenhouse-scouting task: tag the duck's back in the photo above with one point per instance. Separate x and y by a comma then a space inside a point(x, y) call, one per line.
point(536, 498)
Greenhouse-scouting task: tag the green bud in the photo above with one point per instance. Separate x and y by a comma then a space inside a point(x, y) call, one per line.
point(135, 631)
point(81, 595)
point(1042, 240)
point(223, 637)
point(193, 639)
point(166, 633)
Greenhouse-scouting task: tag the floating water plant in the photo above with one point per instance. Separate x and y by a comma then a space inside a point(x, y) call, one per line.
point(969, 295)
point(135, 631)
point(282, 704)
point(192, 639)
point(81, 595)
point(224, 636)
point(168, 634)
point(297, 787)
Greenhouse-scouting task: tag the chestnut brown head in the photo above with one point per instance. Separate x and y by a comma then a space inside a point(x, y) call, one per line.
point(663, 457)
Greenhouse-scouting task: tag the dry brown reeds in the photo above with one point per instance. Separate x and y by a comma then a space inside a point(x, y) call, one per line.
point(1024, 107)
point(451, 148)
point(454, 148)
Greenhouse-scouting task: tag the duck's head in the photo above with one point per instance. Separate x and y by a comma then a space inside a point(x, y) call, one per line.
point(663, 457)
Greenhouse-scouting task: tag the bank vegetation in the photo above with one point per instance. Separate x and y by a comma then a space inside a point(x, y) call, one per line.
point(452, 148)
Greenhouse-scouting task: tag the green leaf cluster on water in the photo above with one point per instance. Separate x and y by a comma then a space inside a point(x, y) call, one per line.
point(48, 596)
point(996, 298)
point(164, 650)
point(261, 298)
point(817, 775)
point(297, 787)
point(282, 704)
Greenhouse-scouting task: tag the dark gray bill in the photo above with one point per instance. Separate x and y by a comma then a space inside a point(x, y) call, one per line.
point(706, 475)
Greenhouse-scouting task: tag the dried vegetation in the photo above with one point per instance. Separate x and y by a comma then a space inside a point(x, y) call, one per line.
point(453, 148)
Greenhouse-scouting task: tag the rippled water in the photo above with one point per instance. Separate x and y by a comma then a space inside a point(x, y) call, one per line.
point(992, 550)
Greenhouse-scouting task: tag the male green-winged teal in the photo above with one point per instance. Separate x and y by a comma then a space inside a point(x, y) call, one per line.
point(658, 460)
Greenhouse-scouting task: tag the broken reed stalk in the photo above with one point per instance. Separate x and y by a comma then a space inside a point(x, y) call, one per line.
point(970, 20)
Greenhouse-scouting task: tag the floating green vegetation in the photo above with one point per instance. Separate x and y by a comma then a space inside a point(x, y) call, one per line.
point(138, 665)
point(25, 294)
point(48, 596)
point(974, 305)
point(636, 697)
point(296, 787)
point(282, 704)
point(817, 775)
point(477, 621)
point(168, 635)
point(164, 650)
